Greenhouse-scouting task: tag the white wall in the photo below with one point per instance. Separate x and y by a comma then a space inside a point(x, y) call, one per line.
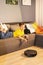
point(39, 12)
point(9, 13)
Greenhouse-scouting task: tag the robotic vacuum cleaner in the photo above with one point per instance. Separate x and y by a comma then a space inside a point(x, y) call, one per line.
point(30, 53)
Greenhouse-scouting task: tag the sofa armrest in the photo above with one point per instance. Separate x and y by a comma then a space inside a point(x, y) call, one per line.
point(39, 40)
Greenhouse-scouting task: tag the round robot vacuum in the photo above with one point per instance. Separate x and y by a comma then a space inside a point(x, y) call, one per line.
point(30, 53)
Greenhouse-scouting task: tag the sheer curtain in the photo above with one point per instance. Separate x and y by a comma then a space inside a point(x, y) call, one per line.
point(39, 12)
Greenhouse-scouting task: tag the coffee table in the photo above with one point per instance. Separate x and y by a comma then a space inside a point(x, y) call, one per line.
point(18, 57)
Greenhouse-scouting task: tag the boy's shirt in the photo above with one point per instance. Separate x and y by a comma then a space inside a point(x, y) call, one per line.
point(18, 33)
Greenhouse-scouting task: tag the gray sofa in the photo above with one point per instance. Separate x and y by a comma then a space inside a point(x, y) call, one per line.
point(9, 45)
point(13, 44)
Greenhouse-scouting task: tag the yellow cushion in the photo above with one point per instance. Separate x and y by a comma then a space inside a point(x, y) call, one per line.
point(35, 25)
point(37, 28)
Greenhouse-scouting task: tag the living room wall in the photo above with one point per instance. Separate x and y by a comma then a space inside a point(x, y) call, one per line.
point(28, 12)
point(9, 13)
point(16, 13)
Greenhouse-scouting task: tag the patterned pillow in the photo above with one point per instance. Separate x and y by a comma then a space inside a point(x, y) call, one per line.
point(30, 27)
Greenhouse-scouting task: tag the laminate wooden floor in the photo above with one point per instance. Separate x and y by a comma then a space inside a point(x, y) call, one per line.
point(18, 58)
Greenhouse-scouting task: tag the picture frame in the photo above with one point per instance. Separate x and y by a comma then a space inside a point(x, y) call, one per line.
point(26, 2)
point(12, 2)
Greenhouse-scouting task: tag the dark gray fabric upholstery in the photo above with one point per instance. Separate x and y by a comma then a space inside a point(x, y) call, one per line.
point(12, 44)
point(39, 40)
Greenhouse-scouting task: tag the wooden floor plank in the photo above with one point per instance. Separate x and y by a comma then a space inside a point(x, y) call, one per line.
point(18, 58)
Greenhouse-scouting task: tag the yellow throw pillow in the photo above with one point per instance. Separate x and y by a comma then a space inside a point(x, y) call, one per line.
point(35, 25)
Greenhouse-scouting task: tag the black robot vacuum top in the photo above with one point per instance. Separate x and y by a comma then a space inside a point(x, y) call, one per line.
point(30, 53)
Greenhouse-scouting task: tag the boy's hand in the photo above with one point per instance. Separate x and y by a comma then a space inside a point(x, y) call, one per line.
point(25, 40)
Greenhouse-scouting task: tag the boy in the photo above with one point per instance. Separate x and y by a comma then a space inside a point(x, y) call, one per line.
point(20, 32)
